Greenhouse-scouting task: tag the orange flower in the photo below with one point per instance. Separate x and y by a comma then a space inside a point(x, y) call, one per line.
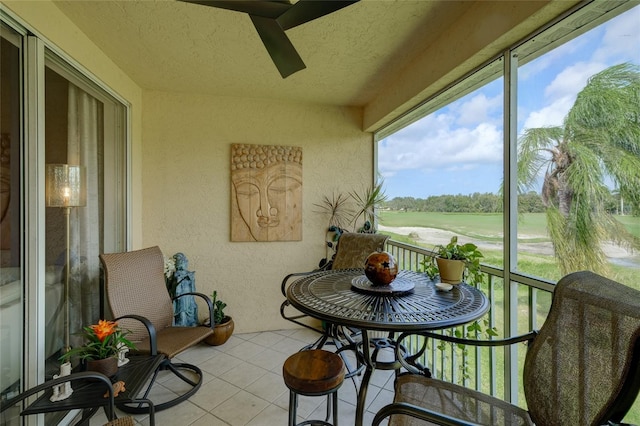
point(104, 328)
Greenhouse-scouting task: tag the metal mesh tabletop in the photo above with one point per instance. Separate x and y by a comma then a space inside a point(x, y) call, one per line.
point(330, 296)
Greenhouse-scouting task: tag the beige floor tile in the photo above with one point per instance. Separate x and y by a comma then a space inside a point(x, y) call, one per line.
point(209, 420)
point(214, 393)
point(269, 359)
point(305, 335)
point(270, 416)
point(220, 364)
point(184, 413)
point(290, 346)
point(268, 387)
point(245, 350)
point(240, 409)
point(267, 339)
point(243, 375)
point(197, 354)
point(160, 394)
point(233, 341)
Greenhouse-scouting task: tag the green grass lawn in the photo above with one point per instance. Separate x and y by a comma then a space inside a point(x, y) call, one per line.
point(484, 225)
point(488, 227)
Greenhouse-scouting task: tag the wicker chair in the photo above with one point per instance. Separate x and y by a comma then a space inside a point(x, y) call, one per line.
point(351, 253)
point(581, 368)
point(138, 298)
point(8, 416)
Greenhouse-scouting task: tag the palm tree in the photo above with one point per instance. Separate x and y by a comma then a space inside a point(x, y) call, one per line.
point(598, 142)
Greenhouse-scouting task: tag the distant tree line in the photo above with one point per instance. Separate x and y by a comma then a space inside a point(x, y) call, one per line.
point(472, 203)
point(530, 202)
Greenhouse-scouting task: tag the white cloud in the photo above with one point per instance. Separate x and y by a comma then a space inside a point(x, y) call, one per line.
point(479, 109)
point(620, 34)
point(550, 115)
point(572, 80)
point(433, 142)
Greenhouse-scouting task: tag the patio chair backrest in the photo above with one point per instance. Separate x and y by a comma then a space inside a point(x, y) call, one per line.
point(354, 248)
point(135, 284)
point(583, 367)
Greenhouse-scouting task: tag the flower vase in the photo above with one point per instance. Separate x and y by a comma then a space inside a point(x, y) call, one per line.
point(451, 271)
point(221, 332)
point(106, 366)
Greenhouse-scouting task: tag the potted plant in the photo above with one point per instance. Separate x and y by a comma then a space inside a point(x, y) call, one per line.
point(104, 342)
point(343, 210)
point(366, 204)
point(452, 260)
point(223, 324)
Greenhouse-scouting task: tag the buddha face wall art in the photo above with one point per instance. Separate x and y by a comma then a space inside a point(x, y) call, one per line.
point(266, 193)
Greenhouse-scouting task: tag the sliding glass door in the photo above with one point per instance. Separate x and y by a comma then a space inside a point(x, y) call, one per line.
point(11, 225)
point(54, 118)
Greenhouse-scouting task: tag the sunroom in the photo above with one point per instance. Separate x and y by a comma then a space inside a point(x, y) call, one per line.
point(151, 97)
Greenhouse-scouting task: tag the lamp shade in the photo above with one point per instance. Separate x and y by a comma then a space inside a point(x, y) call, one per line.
point(65, 186)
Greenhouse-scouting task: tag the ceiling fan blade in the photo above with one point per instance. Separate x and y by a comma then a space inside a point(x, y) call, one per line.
point(308, 10)
point(265, 8)
point(278, 45)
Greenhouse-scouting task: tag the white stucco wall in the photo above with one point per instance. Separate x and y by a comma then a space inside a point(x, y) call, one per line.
point(186, 190)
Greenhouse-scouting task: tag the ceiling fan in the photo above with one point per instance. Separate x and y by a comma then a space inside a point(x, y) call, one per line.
point(272, 18)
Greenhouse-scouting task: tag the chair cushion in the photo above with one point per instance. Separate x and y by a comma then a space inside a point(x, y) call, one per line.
point(173, 340)
point(455, 401)
point(135, 284)
point(354, 248)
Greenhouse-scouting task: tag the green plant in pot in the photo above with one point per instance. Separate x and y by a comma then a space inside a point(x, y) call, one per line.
point(466, 257)
point(223, 324)
point(103, 345)
point(451, 261)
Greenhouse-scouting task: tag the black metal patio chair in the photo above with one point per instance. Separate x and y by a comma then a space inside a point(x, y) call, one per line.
point(581, 368)
point(139, 300)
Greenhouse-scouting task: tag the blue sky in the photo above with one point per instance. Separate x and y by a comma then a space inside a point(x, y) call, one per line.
point(458, 149)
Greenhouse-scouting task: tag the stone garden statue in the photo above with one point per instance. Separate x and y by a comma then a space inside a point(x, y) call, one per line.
point(185, 308)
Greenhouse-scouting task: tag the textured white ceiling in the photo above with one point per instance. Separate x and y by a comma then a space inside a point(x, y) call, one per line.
point(351, 55)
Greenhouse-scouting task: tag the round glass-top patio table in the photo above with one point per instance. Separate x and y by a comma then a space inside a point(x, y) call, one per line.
point(413, 302)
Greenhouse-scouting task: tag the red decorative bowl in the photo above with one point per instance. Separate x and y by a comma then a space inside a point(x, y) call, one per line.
point(380, 268)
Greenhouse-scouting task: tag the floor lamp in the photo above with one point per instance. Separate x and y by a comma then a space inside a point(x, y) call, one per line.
point(66, 188)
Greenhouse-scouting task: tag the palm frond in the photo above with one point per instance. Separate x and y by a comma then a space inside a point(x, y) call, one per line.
point(367, 201)
point(337, 206)
point(598, 142)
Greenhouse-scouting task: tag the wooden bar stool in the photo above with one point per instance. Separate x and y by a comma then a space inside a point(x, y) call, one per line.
point(313, 373)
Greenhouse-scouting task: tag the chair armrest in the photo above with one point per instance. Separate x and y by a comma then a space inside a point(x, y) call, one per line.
point(417, 412)
point(410, 364)
point(295, 318)
point(474, 342)
point(153, 345)
point(208, 301)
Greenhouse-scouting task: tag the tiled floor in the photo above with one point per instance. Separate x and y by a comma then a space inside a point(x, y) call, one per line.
point(243, 385)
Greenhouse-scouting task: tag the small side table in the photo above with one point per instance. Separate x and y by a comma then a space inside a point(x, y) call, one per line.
point(89, 397)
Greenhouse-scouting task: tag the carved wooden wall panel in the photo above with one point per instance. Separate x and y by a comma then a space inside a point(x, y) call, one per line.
point(266, 193)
